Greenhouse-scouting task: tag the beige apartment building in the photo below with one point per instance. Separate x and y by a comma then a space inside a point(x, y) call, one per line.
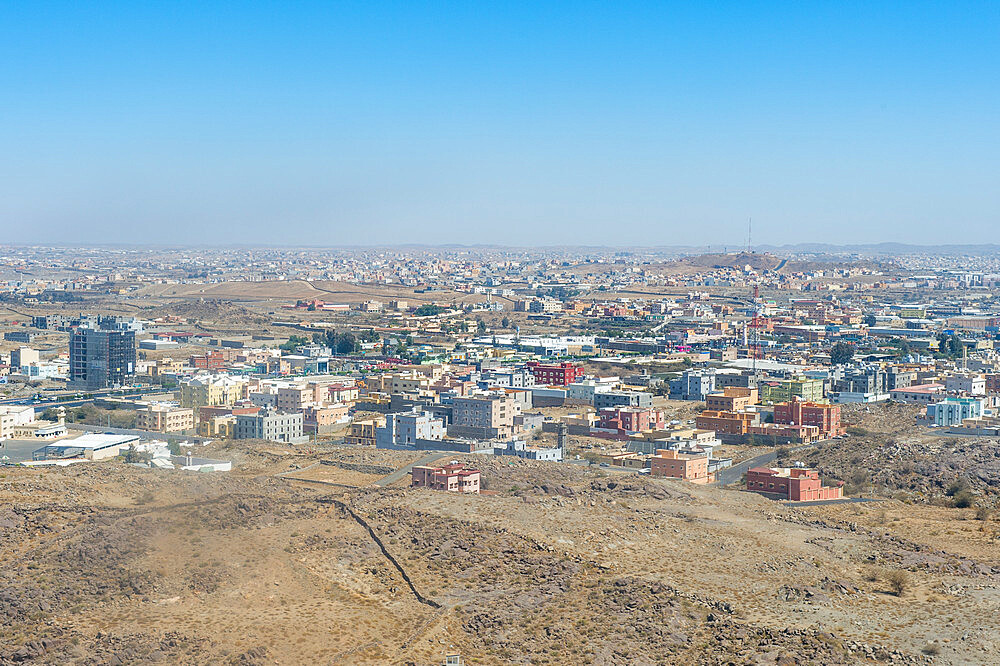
point(484, 416)
point(165, 418)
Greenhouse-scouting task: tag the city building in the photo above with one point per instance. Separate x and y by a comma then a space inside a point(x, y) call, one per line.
point(485, 417)
point(693, 385)
point(270, 426)
point(791, 484)
point(952, 411)
point(798, 412)
point(101, 358)
point(691, 467)
point(163, 417)
point(560, 374)
point(362, 432)
point(809, 390)
point(731, 399)
point(409, 430)
point(212, 390)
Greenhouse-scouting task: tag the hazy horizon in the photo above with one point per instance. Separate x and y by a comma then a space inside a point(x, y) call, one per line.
point(631, 125)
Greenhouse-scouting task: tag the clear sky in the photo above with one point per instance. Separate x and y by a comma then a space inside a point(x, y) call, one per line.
point(534, 123)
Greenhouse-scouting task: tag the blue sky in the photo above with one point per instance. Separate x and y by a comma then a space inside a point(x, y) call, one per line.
point(620, 123)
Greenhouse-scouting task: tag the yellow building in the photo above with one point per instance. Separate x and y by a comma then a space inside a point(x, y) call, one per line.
point(212, 391)
point(219, 427)
point(785, 390)
point(363, 431)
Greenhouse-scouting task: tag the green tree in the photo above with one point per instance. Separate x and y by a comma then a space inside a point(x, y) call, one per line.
point(427, 310)
point(870, 320)
point(841, 353)
point(505, 322)
point(294, 342)
point(346, 343)
point(955, 347)
point(942, 340)
point(481, 326)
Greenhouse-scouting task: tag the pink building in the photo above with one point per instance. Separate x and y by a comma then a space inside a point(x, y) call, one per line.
point(794, 484)
point(630, 419)
point(453, 478)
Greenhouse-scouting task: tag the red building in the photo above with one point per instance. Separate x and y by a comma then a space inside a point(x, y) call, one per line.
point(793, 484)
point(213, 360)
point(562, 374)
point(825, 417)
point(993, 383)
point(630, 419)
point(454, 478)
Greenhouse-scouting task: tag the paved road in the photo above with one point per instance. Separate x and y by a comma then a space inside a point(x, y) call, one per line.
point(842, 500)
point(402, 471)
point(70, 399)
point(147, 434)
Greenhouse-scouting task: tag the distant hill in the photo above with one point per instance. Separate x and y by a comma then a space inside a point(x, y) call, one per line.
point(756, 260)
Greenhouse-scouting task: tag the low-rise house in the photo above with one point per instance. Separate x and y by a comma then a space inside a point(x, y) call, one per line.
point(623, 399)
point(727, 423)
point(625, 420)
point(793, 484)
point(322, 419)
point(222, 426)
point(687, 466)
point(454, 478)
point(952, 411)
point(920, 394)
point(520, 449)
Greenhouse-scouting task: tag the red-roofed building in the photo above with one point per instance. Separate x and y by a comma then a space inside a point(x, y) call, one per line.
point(453, 478)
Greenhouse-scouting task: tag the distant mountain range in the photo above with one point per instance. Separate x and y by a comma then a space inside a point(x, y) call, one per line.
point(881, 248)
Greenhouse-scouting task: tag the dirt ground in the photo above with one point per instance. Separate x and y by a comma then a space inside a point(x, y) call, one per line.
point(110, 564)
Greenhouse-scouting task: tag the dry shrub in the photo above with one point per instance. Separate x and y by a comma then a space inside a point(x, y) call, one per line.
point(898, 581)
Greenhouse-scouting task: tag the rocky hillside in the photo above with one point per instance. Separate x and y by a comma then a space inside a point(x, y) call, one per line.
point(109, 564)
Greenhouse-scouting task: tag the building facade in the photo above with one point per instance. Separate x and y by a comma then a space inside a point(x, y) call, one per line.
point(270, 426)
point(100, 358)
point(792, 484)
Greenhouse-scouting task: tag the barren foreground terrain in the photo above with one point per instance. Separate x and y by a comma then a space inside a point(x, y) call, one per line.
point(109, 564)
